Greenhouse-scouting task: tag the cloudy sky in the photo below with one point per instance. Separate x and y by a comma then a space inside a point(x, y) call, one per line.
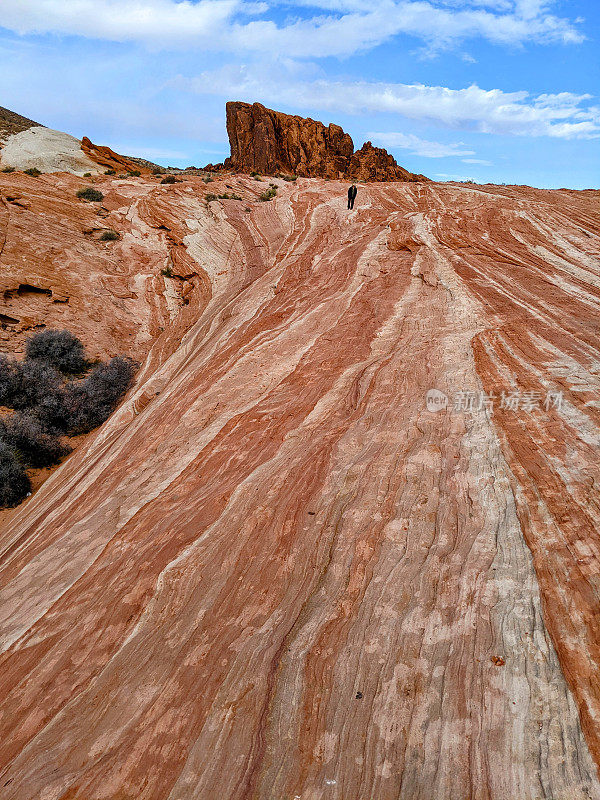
point(506, 91)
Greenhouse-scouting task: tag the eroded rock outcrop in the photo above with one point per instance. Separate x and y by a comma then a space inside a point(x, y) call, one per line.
point(268, 142)
point(25, 144)
point(107, 158)
point(274, 573)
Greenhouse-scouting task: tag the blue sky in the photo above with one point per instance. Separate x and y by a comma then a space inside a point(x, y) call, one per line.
point(505, 91)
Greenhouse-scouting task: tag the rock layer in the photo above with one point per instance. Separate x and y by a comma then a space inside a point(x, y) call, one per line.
point(274, 573)
point(268, 142)
point(55, 270)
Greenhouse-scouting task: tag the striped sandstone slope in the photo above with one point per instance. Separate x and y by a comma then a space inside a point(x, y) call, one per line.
point(273, 573)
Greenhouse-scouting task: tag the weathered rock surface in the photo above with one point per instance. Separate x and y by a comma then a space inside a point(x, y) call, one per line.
point(267, 141)
point(273, 573)
point(55, 270)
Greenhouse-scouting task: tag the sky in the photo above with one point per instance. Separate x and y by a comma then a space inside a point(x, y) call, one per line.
point(498, 91)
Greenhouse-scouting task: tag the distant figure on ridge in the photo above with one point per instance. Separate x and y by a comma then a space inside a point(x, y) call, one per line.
point(352, 192)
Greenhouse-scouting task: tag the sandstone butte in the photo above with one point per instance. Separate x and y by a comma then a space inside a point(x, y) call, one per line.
point(273, 574)
point(268, 142)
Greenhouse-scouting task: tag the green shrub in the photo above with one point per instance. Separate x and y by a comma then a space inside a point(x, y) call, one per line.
point(93, 195)
point(208, 180)
point(158, 171)
point(231, 196)
point(167, 272)
point(109, 236)
point(290, 177)
point(170, 179)
point(134, 173)
point(110, 172)
point(210, 197)
point(33, 171)
point(87, 174)
point(254, 174)
point(8, 169)
point(269, 194)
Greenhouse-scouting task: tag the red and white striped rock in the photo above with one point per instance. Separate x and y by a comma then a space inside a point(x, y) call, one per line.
point(273, 573)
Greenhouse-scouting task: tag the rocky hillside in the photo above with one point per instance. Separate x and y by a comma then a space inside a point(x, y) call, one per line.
point(25, 144)
point(287, 567)
point(11, 123)
point(268, 142)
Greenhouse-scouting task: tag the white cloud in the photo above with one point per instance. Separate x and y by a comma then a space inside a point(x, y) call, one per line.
point(562, 116)
point(481, 161)
point(350, 25)
point(421, 147)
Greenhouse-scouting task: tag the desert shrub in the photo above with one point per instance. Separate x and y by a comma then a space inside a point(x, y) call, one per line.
point(14, 481)
point(226, 196)
point(34, 446)
point(109, 236)
point(158, 171)
point(169, 179)
point(49, 404)
point(8, 169)
point(110, 172)
point(87, 174)
point(269, 194)
point(37, 380)
point(134, 173)
point(93, 195)
point(254, 174)
point(107, 383)
point(61, 349)
point(87, 404)
point(81, 406)
point(10, 379)
point(167, 272)
point(208, 180)
point(290, 177)
point(210, 197)
point(33, 171)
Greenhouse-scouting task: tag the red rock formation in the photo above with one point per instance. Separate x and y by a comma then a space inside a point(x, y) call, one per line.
point(108, 158)
point(376, 164)
point(268, 142)
point(273, 573)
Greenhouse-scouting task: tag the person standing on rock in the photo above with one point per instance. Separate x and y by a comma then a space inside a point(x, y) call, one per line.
point(352, 192)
